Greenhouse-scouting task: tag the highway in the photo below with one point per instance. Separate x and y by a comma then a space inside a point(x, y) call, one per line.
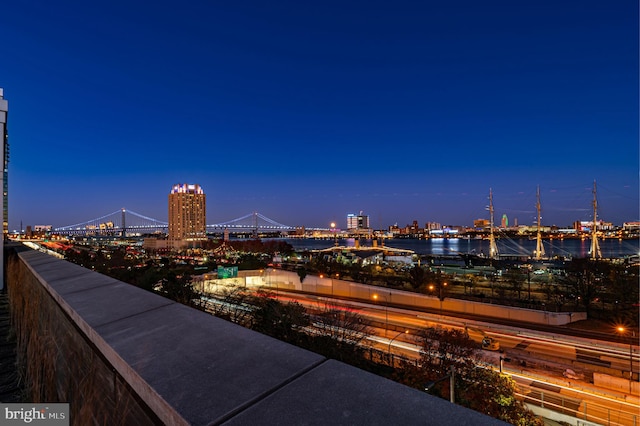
point(537, 361)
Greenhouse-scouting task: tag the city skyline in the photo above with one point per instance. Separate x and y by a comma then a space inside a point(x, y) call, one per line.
point(350, 220)
point(306, 114)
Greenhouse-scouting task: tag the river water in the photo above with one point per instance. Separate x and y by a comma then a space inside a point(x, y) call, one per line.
point(610, 248)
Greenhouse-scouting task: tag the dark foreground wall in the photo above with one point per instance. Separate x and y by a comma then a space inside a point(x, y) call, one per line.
point(121, 355)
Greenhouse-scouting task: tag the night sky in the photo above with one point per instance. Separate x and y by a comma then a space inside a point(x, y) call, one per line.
point(308, 111)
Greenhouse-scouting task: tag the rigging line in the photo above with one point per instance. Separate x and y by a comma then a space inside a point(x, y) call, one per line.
point(618, 194)
point(509, 242)
point(557, 249)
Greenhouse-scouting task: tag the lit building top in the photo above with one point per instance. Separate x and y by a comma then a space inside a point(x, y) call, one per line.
point(187, 189)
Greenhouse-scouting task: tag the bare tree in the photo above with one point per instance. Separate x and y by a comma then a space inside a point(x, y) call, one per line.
point(442, 348)
point(341, 325)
point(235, 305)
point(515, 279)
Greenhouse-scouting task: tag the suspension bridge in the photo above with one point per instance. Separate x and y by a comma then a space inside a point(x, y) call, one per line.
point(127, 222)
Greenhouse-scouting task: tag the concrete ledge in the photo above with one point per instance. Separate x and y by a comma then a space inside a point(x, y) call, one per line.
point(335, 393)
point(188, 367)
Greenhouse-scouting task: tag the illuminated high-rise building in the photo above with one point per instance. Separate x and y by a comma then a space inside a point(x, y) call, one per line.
point(504, 223)
point(187, 216)
point(360, 221)
point(4, 137)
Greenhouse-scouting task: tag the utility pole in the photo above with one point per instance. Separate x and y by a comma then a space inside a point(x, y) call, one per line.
point(452, 381)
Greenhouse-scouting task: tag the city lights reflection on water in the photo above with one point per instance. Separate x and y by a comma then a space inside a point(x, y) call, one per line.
point(611, 248)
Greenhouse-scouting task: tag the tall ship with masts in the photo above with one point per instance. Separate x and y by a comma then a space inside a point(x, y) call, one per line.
point(539, 253)
point(595, 252)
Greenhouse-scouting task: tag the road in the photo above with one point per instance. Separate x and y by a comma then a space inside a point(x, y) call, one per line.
point(535, 360)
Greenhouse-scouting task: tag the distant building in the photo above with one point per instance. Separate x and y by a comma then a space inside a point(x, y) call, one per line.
point(504, 223)
point(530, 229)
point(154, 244)
point(432, 226)
point(481, 223)
point(4, 137)
point(352, 221)
point(357, 221)
point(631, 226)
point(187, 216)
point(585, 225)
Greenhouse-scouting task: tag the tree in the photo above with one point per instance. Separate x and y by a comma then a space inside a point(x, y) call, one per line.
point(235, 305)
point(250, 261)
point(554, 294)
point(494, 394)
point(479, 388)
point(282, 321)
point(150, 276)
point(302, 273)
point(469, 282)
point(622, 284)
point(179, 288)
point(344, 326)
point(417, 277)
point(441, 348)
point(582, 279)
point(515, 280)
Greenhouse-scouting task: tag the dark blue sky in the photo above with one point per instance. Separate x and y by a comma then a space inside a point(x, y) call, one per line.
point(307, 111)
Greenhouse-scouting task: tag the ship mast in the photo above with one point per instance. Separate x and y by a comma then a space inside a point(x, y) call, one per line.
point(539, 253)
point(493, 248)
point(595, 247)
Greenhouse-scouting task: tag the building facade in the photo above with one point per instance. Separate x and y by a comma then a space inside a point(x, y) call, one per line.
point(360, 221)
point(4, 137)
point(187, 216)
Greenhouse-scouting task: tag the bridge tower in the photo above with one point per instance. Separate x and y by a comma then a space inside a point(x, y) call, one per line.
point(124, 224)
point(255, 225)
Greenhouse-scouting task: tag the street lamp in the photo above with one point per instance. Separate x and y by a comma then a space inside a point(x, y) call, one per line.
point(503, 359)
point(440, 287)
point(620, 329)
point(451, 376)
point(386, 312)
point(399, 334)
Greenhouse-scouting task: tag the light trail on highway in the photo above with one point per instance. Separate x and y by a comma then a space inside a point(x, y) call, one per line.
point(537, 349)
point(398, 319)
